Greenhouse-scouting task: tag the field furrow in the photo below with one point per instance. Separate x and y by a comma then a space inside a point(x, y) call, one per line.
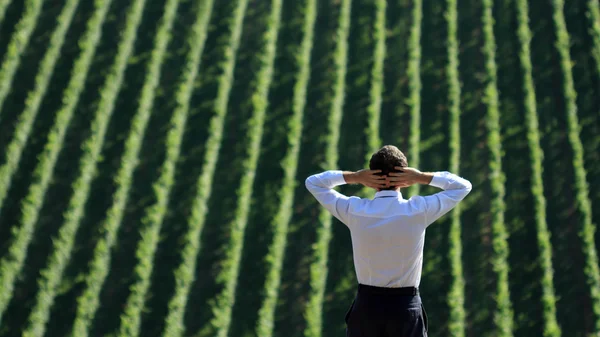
point(519, 218)
point(154, 214)
point(395, 119)
point(88, 301)
point(359, 135)
point(434, 140)
point(16, 46)
point(26, 119)
point(295, 288)
point(503, 315)
point(377, 80)
point(594, 16)
point(281, 220)
point(456, 294)
point(551, 327)
point(51, 276)
point(371, 133)
point(583, 203)
point(562, 217)
point(414, 83)
point(318, 268)
point(583, 22)
point(363, 106)
point(476, 231)
point(184, 274)
point(259, 102)
point(12, 263)
point(3, 5)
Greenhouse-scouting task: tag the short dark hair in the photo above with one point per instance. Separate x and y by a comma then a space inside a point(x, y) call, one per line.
point(386, 158)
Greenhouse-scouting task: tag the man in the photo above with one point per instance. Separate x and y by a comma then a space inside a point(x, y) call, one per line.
point(388, 233)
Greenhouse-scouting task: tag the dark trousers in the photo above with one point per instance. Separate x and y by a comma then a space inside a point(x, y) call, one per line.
point(386, 312)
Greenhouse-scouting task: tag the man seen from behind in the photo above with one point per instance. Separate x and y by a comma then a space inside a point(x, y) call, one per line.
point(388, 235)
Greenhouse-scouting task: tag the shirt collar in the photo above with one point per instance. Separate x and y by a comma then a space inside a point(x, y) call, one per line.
point(388, 194)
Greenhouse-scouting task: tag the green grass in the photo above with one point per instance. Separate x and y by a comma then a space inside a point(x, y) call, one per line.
point(503, 315)
point(184, 273)
point(318, 267)
point(289, 164)
point(34, 99)
point(583, 203)
point(456, 295)
point(414, 83)
point(17, 45)
point(154, 214)
point(12, 263)
point(551, 328)
point(99, 266)
point(259, 103)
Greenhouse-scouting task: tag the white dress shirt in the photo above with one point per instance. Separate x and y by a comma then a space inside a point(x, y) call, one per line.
point(388, 231)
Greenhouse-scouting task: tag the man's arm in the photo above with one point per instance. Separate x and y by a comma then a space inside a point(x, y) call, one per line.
point(454, 189)
point(321, 187)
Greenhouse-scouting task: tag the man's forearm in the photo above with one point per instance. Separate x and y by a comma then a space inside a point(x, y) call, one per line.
point(425, 178)
point(350, 177)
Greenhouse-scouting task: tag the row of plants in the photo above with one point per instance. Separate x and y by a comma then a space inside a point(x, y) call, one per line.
point(370, 29)
point(376, 90)
point(185, 272)
point(16, 47)
point(155, 213)
point(594, 16)
point(259, 103)
point(12, 263)
point(3, 7)
point(281, 220)
point(583, 202)
point(551, 328)
point(318, 267)
point(367, 41)
point(372, 134)
point(503, 316)
point(414, 84)
point(359, 137)
point(52, 275)
point(34, 98)
point(456, 294)
point(99, 266)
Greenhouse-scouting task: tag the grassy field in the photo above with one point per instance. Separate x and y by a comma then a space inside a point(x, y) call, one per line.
point(153, 154)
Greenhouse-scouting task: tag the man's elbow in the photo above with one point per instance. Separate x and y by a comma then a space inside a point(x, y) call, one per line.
point(468, 186)
point(467, 189)
point(309, 182)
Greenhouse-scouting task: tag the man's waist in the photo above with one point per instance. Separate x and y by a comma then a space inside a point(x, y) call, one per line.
point(405, 291)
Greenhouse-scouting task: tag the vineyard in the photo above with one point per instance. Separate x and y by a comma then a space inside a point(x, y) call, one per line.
point(153, 157)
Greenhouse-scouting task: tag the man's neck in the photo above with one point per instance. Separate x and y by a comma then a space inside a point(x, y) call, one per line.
point(394, 190)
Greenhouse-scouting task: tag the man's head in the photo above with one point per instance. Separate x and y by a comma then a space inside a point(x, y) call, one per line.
point(386, 158)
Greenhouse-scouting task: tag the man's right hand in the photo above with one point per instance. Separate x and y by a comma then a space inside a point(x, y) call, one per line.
point(408, 176)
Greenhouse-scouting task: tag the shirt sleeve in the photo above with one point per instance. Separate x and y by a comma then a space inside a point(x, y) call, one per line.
point(454, 189)
point(321, 187)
